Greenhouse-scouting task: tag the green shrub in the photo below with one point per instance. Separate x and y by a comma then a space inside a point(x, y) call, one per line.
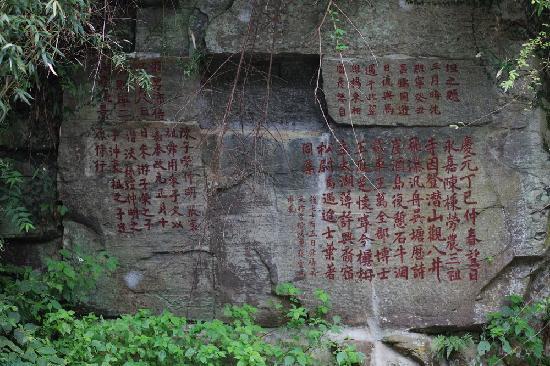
point(446, 346)
point(514, 334)
point(38, 326)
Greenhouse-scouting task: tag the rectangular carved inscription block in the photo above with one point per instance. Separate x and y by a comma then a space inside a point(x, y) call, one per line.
point(408, 92)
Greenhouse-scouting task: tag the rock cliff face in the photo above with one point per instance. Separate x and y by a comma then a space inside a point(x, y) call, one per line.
point(396, 175)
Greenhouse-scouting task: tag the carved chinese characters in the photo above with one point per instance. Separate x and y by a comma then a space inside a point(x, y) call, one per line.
point(152, 176)
point(405, 91)
point(124, 102)
point(400, 92)
point(400, 208)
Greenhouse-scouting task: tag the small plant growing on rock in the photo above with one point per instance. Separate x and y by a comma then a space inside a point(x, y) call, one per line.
point(513, 335)
point(446, 346)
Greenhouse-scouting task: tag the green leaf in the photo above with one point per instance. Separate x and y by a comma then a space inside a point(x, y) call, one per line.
point(14, 316)
point(341, 358)
point(62, 210)
point(46, 350)
point(483, 347)
point(190, 352)
point(506, 346)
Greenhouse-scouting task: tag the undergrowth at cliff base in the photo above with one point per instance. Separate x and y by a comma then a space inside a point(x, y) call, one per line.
point(515, 335)
point(39, 325)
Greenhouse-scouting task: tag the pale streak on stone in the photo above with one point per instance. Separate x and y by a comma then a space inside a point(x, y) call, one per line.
point(244, 15)
point(132, 279)
point(384, 355)
point(405, 6)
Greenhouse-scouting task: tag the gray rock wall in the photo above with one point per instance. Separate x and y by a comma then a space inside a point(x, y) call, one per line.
point(420, 218)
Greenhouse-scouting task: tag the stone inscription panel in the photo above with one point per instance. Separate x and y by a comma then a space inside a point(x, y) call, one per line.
point(395, 209)
point(152, 175)
point(118, 98)
point(122, 102)
point(406, 91)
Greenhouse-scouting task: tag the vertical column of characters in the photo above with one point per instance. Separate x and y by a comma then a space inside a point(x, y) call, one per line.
point(371, 99)
point(188, 145)
point(122, 191)
point(344, 218)
point(451, 204)
point(145, 212)
point(165, 189)
point(400, 210)
point(355, 91)
point(167, 149)
point(307, 153)
point(300, 234)
point(157, 96)
point(416, 207)
point(434, 89)
point(468, 170)
point(341, 90)
point(131, 167)
point(363, 255)
point(100, 148)
point(382, 234)
point(434, 219)
point(418, 88)
point(387, 95)
point(403, 86)
point(312, 236)
point(309, 169)
point(452, 83)
point(106, 104)
point(327, 168)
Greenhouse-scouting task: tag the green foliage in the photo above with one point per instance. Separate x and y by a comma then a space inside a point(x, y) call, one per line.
point(37, 328)
point(11, 197)
point(29, 38)
point(192, 66)
point(540, 6)
point(31, 300)
point(136, 77)
point(348, 356)
point(446, 346)
point(514, 334)
point(338, 34)
point(528, 50)
point(539, 45)
point(38, 36)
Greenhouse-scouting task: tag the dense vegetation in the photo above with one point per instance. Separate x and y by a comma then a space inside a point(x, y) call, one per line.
point(39, 326)
point(39, 319)
point(515, 335)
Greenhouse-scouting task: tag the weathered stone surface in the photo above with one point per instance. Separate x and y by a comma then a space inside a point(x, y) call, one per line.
point(415, 346)
point(265, 180)
point(402, 91)
point(163, 30)
point(172, 98)
point(32, 254)
point(395, 302)
point(24, 133)
point(374, 28)
point(150, 214)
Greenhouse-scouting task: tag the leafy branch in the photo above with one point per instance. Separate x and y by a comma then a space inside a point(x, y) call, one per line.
point(39, 37)
point(11, 197)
